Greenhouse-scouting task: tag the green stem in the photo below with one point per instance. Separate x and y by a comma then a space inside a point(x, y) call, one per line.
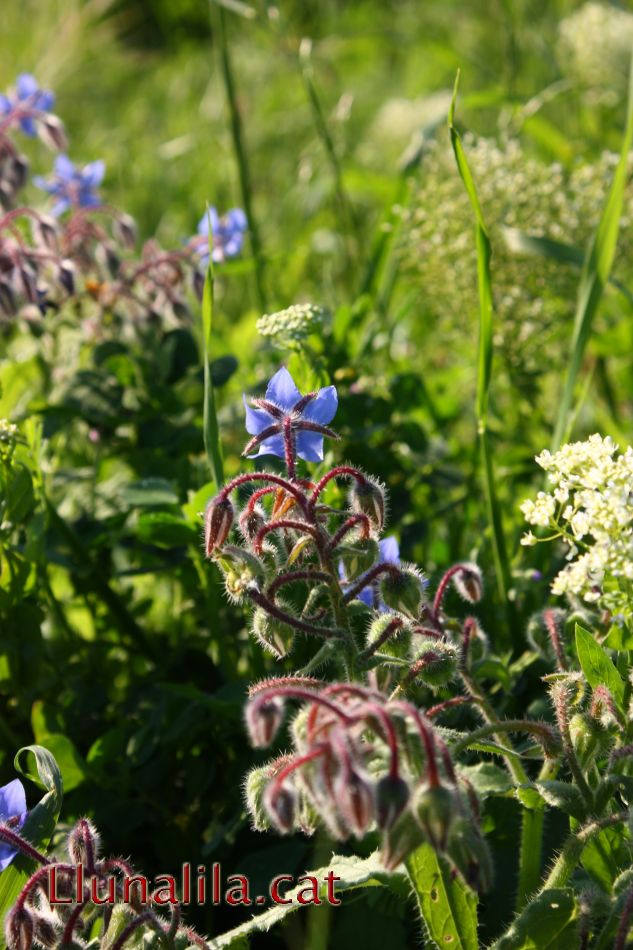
point(241, 156)
point(567, 861)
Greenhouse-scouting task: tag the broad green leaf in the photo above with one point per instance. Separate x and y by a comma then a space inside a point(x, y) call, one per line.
point(597, 665)
point(447, 905)
point(548, 923)
point(487, 778)
point(38, 765)
point(352, 872)
point(563, 795)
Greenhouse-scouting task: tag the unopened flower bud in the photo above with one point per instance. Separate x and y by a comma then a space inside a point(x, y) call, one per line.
point(46, 231)
point(45, 929)
point(19, 171)
point(390, 634)
point(8, 302)
point(280, 801)
point(273, 634)
point(392, 797)
point(218, 519)
point(255, 786)
point(125, 229)
point(358, 557)
point(585, 735)
point(84, 843)
point(251, 520)
point(468, 583)
point(368, 498)
point(51, 132)
point(263, 719)
point(355, 799)
point(66, 276)
point(471, 854)
point(402, 590)
point(19, 928)
point(434, 810)
point(436, 663)
point(403, 837)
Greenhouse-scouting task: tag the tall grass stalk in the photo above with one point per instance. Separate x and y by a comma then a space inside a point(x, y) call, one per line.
point(211, 430)
point(594, 276)
point(241, 157)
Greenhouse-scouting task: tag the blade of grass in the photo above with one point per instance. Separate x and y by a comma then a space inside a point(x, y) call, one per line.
point(210, 428)
point(594, 276)
point(484, 368)
point(239, 149)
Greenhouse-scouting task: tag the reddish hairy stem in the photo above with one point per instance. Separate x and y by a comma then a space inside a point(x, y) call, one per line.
point(146, 917)
point(442, 588)
point(291, 576)
point(348, 525)
point(369, 577)
point(447, 704)
point(296, 763)
point(290, 450)
point(392, 627)
point(20, 844)
point(334, 473)
point(265, 477)
point(390, 735)
point(287, 523)
point(279, 614)
point(551, 626)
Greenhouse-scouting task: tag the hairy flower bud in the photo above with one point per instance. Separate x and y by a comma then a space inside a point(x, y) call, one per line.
point(468, 583)
point(66, 276)
point(251, 520)
point(280, 803)
point(255, 786)
point(358, 557)
point(434, 810)
point(274, 635)
point(45, 929)
point(368, 498)
point(389, 634)
point(403, 837)
point(354, 796)
point(471, 854)
point(125, 229)
point(218, 519)
point(436, 663)
point(83, 845)
point(51, 132)
point(585, 737)
point(402, 590)
point(19, 928)
point(392, 797)
point(263, 719)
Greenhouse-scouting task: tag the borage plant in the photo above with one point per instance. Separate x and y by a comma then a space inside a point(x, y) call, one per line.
point(369, 757)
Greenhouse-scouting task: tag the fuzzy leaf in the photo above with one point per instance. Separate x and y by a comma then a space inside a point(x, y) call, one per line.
point(447, 905)
point(597, 665)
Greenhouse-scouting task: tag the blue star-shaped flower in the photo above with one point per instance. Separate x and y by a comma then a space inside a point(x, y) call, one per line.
point(228, 235)
point(27, 96)
point(283, 405)
point(13, 814)
point(74, 187)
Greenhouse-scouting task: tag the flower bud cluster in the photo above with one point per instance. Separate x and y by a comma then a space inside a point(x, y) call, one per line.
point(359, 761)
point(64, 899)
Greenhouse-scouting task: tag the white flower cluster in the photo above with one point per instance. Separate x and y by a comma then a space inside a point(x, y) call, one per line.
point(590, 506)
point(8, 431)
point(534, 296)
point(294, 324)
point(594, 47)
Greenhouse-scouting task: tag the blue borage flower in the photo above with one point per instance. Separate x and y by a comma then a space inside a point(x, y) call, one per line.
point(284, 408)
point(26, 97)
point(228, 235)
point(388, 553)
point(74, 187)
point(13, 814)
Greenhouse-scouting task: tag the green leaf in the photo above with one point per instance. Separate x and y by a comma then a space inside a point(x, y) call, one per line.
point(595, 274)
point(564, 796)
point(447, 905)
point(351, 873)
point(597, 666)
point(38, 765)
point(548, 923)
point(70, 763)
point(487, 778)
point(148, 492)
point(165, 530)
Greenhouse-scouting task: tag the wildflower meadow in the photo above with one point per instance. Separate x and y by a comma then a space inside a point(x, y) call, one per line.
point(316, 474)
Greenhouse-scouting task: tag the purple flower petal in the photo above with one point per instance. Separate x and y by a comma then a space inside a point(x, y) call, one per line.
point(282, 390)
point(256, 419)
point(389, 551)
point(26, 86)
point(323, 408)
point(64, 168)
point(5, 104)
point(12, 800)
point(272, 446)
point(92, 174)
point(310, 446)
